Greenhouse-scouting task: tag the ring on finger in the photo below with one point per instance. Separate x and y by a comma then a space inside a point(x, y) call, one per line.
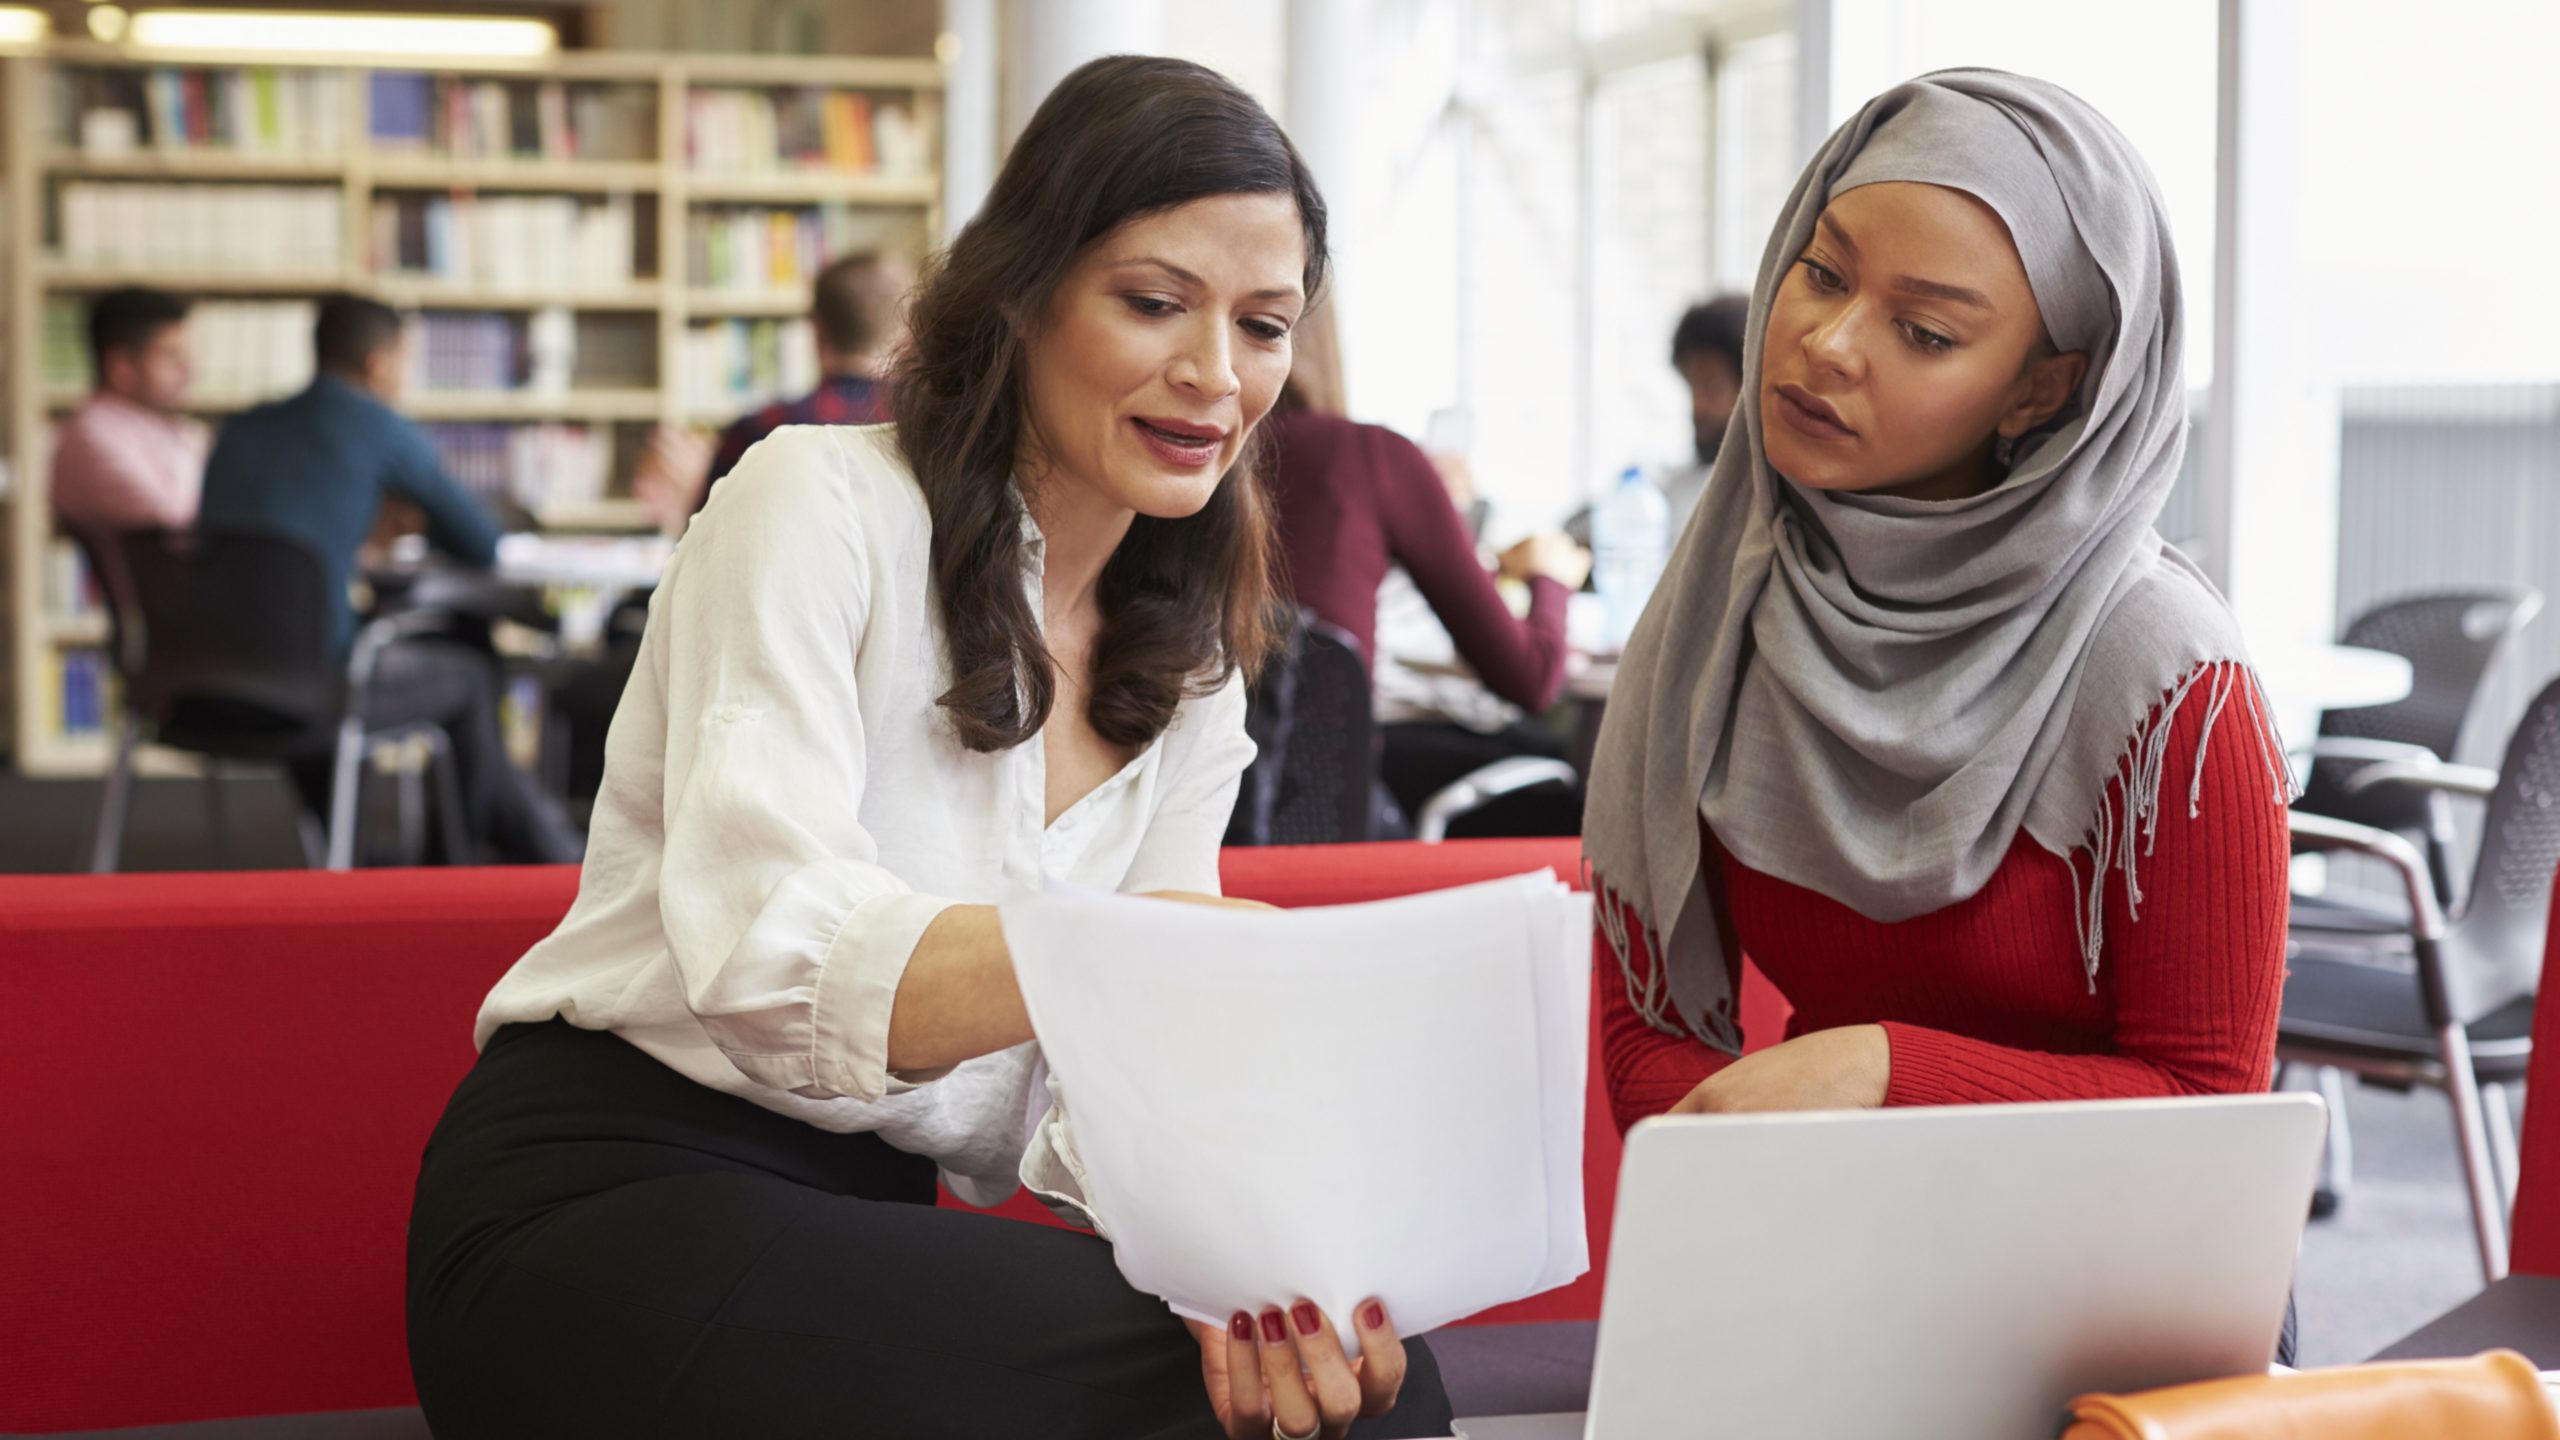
point(1312, 1431)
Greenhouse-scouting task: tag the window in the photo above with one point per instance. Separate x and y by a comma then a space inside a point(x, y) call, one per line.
point(1522, 261)
point(1649, 235)
point(1620, 155)
point(1758, 153)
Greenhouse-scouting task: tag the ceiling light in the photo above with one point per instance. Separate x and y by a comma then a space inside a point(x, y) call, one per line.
point(23, 25)
point(479, 37)
point(107, 22)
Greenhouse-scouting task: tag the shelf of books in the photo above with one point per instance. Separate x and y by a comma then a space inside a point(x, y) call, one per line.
point(587, 247)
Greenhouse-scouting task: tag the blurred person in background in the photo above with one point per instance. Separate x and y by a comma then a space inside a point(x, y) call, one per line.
point(1436, 727)
point(1358, 502)
point(858, 309)
point(319, 466)
point(130, 458)
point(1706, 348)
point(857, 306)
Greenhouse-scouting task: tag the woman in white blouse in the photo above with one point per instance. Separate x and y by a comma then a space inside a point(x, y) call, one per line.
point(891, 673)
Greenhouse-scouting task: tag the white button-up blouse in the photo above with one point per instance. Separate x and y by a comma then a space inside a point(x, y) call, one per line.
point(785, 810)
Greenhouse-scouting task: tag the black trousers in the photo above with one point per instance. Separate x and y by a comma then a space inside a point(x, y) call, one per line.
point(600, 1246)
point(456, 687)
point(1418, 759)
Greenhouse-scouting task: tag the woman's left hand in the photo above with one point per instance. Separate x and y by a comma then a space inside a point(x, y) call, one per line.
point(1844, 1069)
point(1300, 1383)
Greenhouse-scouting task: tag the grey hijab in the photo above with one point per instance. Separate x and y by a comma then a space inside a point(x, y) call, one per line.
point(1870, 696)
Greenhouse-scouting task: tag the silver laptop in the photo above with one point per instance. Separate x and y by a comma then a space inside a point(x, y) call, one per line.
point(1942, 1274)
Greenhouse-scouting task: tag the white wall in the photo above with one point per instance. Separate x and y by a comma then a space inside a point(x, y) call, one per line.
point(1244, 40)
point(2428, 206)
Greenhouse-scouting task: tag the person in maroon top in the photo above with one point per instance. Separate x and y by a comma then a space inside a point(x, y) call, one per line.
point(1355, 501)
point(1925, 718)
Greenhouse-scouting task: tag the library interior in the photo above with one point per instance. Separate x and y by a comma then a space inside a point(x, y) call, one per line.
point(1864, 682)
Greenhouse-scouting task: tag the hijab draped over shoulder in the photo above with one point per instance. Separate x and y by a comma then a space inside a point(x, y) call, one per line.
point(1870, 696)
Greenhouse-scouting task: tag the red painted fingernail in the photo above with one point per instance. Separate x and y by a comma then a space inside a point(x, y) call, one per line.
point(1272, 1329)
point(1304, 1312)
point(1375, 1317)
point(1241, 1327)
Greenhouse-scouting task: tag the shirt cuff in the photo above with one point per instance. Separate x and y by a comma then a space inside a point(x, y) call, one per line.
point(858, 985)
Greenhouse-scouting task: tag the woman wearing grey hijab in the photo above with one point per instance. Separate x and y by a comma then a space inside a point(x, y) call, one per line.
point(1925, 716)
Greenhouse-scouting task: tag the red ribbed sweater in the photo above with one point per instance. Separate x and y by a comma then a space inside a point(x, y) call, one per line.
point(1987, 1000)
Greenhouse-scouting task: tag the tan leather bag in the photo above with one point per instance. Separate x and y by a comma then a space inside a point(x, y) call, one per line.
point(2496, 1396)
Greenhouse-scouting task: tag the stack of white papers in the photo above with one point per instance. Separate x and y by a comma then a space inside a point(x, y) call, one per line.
point(1365, 1100)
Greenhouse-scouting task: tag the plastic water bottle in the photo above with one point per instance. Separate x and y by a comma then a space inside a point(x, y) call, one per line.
point(1630, 539)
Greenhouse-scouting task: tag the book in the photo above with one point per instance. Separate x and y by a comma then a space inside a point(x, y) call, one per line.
point(539, 466)
point(70, 590)
point(732, 367)
point(254, 110)
point(401, 102)
point(801, 128)
point(251, 350)
point(754, 249)
point(63, 357)
point(551, 244)
point(226, 228)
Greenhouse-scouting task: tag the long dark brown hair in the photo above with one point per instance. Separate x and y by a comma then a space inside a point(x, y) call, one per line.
point(1185, 603)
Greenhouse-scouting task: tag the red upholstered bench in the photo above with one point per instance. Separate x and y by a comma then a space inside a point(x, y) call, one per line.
point(218, 1087)
point(2522, 1311)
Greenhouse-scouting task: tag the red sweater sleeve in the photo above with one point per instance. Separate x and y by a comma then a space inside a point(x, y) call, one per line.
point(1646, 1071)
point(2197, 980)
point(1521, 660)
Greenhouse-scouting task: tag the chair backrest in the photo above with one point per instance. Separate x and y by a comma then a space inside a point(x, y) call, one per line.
point(234, 631)
point(1310, 718)
point(105, 562)
point(2495, 952)
point(2449, 638)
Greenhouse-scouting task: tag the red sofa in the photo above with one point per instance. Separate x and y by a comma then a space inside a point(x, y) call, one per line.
point(219, 1086)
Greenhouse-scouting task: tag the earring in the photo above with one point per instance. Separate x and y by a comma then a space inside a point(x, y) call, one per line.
point(2004, 452)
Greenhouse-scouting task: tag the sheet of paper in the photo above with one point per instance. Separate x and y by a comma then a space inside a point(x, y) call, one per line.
point(1333, 1103)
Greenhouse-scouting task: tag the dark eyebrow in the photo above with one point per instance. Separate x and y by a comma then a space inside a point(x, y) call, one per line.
point(1912, 284)
point(1939, 290)
point(1840, 235)
point(1276, 292)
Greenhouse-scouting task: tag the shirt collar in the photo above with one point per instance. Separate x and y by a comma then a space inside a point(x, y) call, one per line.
point(123, 405)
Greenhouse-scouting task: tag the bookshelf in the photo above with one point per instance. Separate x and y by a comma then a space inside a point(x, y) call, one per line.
point(574, 240)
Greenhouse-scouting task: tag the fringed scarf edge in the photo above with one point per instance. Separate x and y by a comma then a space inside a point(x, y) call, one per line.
point(2125, 830)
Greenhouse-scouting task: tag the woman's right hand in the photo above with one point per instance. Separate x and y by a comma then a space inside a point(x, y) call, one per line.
point(673, 471)
point(1551, 554)
point(1286, 1374)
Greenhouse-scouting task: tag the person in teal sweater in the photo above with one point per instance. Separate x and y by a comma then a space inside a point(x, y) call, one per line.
point(317, 467)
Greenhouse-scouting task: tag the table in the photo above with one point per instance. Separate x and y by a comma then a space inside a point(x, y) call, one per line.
point(620, 563)
point(565, 584)
point(2303, 680)
point(1588, 677)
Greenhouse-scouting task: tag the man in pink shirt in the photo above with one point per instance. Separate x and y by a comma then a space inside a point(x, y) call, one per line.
point(128, 458)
